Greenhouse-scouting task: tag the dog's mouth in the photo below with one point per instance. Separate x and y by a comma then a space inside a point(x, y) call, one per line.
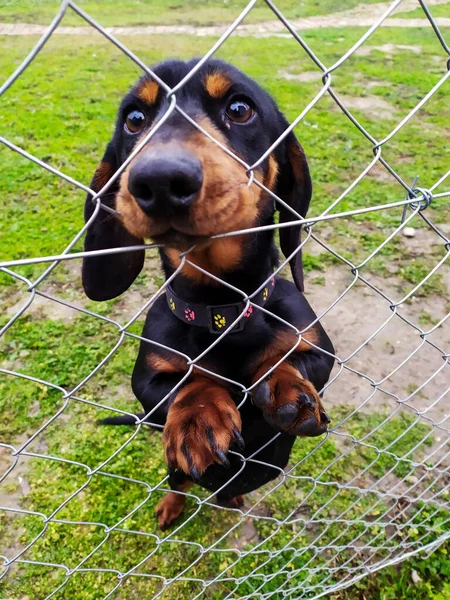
point(174, 238)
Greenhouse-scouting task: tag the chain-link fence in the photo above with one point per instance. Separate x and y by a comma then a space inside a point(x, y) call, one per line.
point(343, 521)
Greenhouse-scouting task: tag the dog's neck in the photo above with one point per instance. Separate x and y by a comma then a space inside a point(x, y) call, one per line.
point(256, 260)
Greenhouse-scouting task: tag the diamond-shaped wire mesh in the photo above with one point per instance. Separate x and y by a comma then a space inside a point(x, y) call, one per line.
point(340, 523)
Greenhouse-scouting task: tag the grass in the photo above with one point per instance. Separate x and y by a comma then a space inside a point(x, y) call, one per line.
point(172, 12)
point(63, 110)
point(440, 10)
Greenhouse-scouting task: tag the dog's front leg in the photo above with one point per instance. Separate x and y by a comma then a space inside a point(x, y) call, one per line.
point(202, 422)
point(200, 418)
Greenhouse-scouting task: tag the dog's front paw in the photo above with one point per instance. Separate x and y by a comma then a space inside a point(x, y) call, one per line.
point(201, 424)
point(291, 403)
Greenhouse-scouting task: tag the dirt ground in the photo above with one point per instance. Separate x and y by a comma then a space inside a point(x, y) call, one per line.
point(362, 315)
point(386, 346)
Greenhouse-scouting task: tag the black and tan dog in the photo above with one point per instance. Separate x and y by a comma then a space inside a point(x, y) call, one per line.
point(180, 190)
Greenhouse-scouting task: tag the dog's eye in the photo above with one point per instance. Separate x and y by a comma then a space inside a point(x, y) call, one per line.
point(239, 111)
point(135, 121)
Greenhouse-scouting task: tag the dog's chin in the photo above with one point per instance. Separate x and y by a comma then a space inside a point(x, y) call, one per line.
point(172, 238)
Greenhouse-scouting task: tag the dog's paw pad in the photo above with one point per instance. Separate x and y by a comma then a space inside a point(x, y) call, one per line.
point(286, 414)
point(291, 403)
point(261, 395)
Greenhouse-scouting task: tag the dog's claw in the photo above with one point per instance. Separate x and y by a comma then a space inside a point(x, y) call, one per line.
point(238, 439)
point(222, 458)
point(325, 418)
point(194, 474)
point(307, 402)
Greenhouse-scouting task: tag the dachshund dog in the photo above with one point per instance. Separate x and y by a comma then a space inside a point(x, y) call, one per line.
point(182, 190)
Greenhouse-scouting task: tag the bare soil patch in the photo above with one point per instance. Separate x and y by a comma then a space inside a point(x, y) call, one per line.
point(380, 347)
point(15, 488)
point(305, 76)
point(387, 49)
point(373, 106)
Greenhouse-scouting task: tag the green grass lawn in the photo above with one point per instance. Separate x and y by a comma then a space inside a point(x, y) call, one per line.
point(172, 12)
point(62, 109)
point(440, 10)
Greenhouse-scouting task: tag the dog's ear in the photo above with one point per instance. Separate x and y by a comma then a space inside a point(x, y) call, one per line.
point(294, 187)
point(108, 276)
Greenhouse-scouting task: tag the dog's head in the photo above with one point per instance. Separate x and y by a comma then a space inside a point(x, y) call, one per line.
point(182, 188)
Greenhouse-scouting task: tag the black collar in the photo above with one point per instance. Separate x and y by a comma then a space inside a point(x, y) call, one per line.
point(218, 317)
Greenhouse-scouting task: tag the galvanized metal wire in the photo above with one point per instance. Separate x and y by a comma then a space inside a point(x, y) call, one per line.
point(329, 561)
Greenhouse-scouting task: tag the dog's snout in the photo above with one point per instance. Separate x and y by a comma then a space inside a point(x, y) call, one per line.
point(165, 182)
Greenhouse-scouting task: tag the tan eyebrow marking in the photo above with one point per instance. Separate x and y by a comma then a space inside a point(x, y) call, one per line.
point(217, 84)
point(149, 92)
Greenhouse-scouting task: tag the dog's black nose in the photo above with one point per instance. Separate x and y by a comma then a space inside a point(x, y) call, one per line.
point(165, 182)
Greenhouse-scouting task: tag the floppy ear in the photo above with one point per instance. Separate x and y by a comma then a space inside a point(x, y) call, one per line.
point(108, 276)
point(293, 187)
